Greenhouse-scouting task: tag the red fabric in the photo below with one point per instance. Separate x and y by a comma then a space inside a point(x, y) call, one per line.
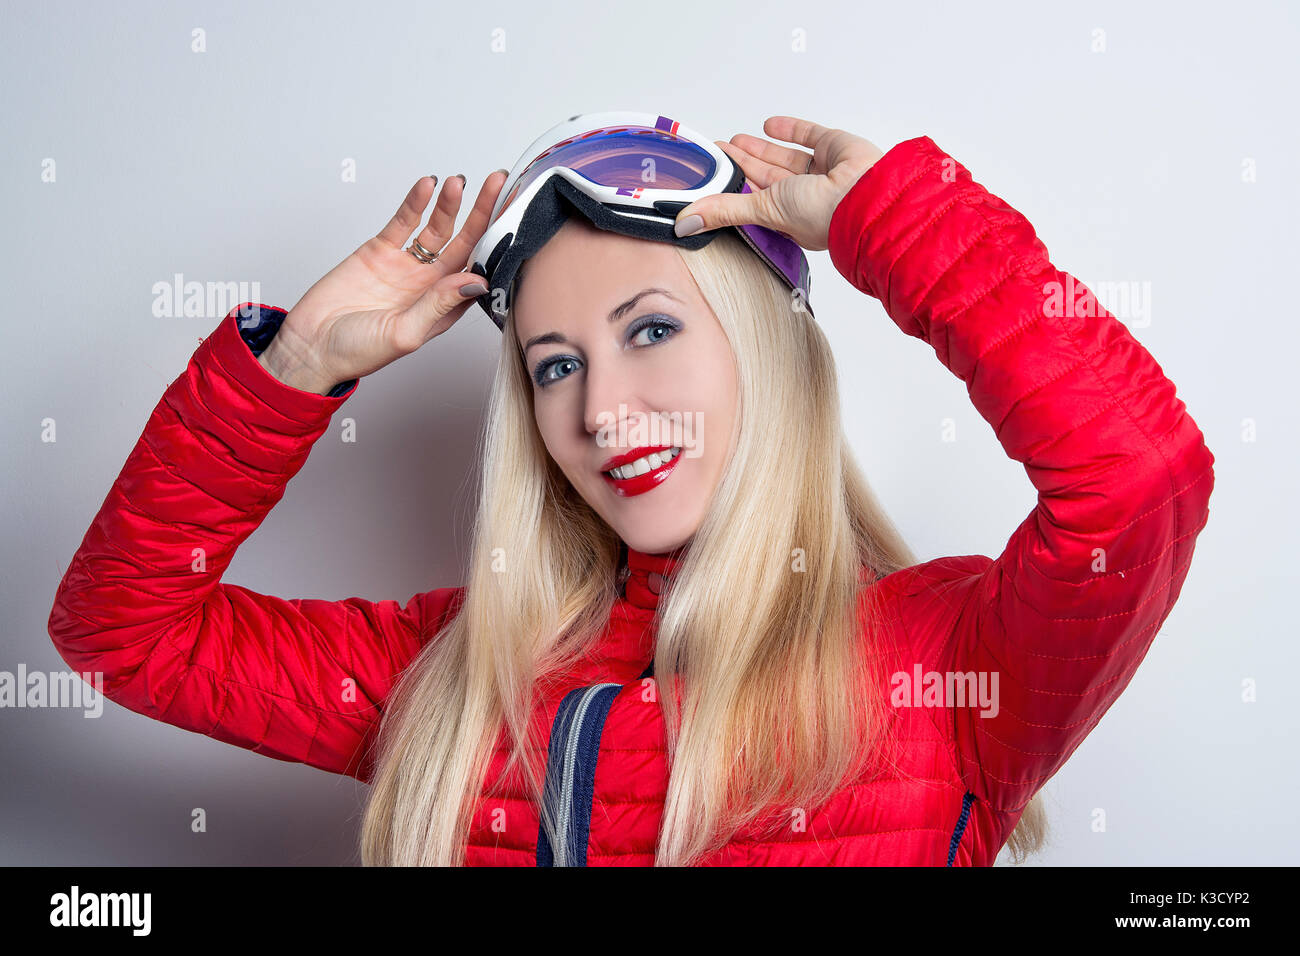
point(1117, 463)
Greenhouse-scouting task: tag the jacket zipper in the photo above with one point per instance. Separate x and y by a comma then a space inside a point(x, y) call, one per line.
point(570, 772)
point(571, 767)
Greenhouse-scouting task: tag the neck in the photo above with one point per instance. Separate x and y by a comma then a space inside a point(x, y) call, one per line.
point(649, 574)
point(664, 562)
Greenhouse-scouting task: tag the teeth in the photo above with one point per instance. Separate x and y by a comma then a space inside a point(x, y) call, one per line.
point(642, 465)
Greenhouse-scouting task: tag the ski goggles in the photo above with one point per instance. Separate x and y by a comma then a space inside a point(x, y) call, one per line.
point(626, 172)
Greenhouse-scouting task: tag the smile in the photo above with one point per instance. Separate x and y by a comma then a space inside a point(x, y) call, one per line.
point(648, 470)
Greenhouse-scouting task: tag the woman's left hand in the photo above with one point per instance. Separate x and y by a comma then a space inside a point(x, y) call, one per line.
point(791, 194)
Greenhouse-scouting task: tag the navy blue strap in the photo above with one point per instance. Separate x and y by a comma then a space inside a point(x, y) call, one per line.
point(962, 820)
point(571, 772)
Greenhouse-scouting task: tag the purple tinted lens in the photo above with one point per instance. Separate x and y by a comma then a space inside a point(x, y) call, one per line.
point(625, 157)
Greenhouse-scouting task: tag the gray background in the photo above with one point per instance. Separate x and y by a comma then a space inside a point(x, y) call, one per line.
point(225, 166)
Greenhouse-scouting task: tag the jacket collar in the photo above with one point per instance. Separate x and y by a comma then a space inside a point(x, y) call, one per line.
point(648, 575)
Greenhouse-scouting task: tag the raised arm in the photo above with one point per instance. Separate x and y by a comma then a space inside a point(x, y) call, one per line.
point(1066, 613)
point(300, 680)
point(142, 600)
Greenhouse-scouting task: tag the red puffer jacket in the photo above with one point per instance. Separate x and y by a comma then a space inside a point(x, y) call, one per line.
point(1063, 616)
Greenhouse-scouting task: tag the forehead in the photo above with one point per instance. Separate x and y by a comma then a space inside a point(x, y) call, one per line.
point(584, 271)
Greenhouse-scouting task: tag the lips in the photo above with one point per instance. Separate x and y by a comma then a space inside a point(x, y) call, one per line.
point(640, 484)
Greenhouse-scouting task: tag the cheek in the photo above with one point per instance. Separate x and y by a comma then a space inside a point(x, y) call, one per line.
point(712, 400)
point(714, 372)
point(557, 437)
point(550, 437)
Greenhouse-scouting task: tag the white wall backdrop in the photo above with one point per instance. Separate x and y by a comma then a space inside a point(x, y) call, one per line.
point(1149, 144)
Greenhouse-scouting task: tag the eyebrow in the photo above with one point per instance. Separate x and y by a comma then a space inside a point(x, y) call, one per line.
point(615, 314)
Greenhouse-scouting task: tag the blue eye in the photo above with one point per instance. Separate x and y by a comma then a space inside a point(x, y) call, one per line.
point(543, 369)
point(654, 322)
point(650, 323)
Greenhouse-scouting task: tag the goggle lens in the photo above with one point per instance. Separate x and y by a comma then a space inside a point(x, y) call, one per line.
point(626, 158)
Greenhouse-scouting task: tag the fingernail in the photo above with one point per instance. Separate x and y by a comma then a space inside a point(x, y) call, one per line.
point(503, 170)
point(689, 226)
point(474, 288)
point(463, 180)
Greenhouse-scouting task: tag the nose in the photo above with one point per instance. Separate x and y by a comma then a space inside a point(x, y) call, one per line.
point(607, 387)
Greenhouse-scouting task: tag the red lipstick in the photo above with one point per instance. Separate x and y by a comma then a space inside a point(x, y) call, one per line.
point(628, 487)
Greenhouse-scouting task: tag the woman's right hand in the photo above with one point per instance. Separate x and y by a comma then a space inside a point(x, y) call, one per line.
point(381, 303)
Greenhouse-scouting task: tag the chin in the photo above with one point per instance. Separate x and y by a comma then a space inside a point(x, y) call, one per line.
point(654, 523)
point(655, 544)
point(654, 536)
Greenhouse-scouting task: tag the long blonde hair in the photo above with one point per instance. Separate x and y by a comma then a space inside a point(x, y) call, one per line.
point(766, 711)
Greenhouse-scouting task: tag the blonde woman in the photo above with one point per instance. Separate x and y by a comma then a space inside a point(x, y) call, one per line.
point(706, 645)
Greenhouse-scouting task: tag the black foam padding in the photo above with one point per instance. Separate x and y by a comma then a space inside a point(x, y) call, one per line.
point(554, 203)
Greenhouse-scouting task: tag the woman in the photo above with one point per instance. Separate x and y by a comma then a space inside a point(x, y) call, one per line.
point(814, 666)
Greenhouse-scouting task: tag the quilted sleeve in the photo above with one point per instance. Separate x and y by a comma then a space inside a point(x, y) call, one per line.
point(142, 600)
point(1058, 623)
